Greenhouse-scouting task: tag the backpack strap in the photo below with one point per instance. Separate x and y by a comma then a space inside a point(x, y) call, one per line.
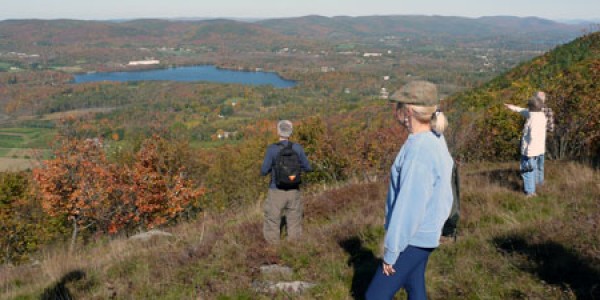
point(282, 146)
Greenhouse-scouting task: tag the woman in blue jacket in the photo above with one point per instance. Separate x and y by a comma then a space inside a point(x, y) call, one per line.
point(419, 197)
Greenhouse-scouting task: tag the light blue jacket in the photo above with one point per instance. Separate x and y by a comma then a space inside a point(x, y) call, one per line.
point(420, 195)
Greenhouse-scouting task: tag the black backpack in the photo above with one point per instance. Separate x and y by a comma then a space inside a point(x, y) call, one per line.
point(450, 228)
point(287, 168)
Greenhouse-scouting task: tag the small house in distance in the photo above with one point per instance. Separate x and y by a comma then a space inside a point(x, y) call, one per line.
point(225, 135)
point(384, 94)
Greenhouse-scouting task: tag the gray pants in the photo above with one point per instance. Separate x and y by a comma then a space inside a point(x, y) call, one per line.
point(283, 203)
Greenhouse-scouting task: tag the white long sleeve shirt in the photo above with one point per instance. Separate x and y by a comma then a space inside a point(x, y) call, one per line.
point(533, 141)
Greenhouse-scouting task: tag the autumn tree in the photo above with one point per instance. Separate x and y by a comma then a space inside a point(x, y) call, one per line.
point(93, 193)
point(159, 184)
point(318, 142)
point(74, 184)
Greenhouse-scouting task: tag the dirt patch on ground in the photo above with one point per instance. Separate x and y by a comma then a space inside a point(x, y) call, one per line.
point(70, 113)
point(16, 164)
point(22, 152)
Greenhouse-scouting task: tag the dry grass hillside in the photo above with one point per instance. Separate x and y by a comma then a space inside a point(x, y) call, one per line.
point(509, 247)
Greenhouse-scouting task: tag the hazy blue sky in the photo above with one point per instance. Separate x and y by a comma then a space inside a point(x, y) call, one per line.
point(117, 9)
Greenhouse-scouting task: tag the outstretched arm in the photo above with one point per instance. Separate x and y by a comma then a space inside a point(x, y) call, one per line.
point(523, 111)
point(514, 107)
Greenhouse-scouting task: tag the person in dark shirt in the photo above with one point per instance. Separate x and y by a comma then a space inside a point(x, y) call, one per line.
point(546, 110)
point(280, 202)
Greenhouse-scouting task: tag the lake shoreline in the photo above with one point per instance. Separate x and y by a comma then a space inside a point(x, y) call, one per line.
point(258, 77)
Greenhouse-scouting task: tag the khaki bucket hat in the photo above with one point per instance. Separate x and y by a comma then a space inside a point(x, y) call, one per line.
point(418, 92)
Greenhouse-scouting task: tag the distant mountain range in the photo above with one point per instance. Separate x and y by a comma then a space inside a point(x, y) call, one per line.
point(580, 21)
point(31, 35)
point(325, 27)
point(106, 45)
point(159, 32)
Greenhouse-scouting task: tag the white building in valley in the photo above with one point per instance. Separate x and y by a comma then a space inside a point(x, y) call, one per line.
point(144, 62)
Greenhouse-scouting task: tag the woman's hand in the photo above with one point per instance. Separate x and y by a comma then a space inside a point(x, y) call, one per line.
point(388, 270)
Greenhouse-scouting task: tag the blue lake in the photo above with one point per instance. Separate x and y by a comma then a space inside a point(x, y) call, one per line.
point(191, 74)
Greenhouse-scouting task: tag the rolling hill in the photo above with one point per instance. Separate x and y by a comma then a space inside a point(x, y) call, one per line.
point(421, 27)
point(56, 33)
point(27, 34)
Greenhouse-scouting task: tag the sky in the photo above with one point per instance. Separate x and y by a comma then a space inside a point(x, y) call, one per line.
point(133, 9)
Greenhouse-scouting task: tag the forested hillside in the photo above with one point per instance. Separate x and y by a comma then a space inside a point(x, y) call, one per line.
point(569, 74)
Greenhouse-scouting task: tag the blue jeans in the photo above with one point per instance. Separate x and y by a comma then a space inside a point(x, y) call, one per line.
point(410, 275)
point(529, 173)
point(539, 178)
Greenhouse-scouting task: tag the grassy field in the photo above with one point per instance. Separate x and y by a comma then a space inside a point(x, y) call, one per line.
point(509, 247)
point(11, 140)
point(20, 147)
point(4, 151)
point(39, 138)
point(4, 66)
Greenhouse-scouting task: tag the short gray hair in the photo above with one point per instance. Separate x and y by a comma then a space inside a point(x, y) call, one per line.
point(284, 128)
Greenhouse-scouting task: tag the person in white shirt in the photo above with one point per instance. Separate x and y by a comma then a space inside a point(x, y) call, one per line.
point(549, 129)
point(533, 142)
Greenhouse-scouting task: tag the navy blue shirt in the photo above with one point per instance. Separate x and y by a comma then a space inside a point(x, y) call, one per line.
point(271, 154)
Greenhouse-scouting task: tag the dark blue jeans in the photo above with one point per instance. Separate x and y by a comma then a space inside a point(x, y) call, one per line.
point(410, 275)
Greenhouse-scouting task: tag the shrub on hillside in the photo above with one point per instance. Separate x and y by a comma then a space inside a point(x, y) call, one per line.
point(80, 184)
point(23, 225)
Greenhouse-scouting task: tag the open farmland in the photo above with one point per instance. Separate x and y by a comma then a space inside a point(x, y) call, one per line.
point(20, 148)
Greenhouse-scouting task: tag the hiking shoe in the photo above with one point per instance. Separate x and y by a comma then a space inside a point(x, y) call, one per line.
point(531, 195)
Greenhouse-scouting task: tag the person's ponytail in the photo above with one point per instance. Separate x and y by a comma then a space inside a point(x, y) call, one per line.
point(439, 123)
point(432, 115)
